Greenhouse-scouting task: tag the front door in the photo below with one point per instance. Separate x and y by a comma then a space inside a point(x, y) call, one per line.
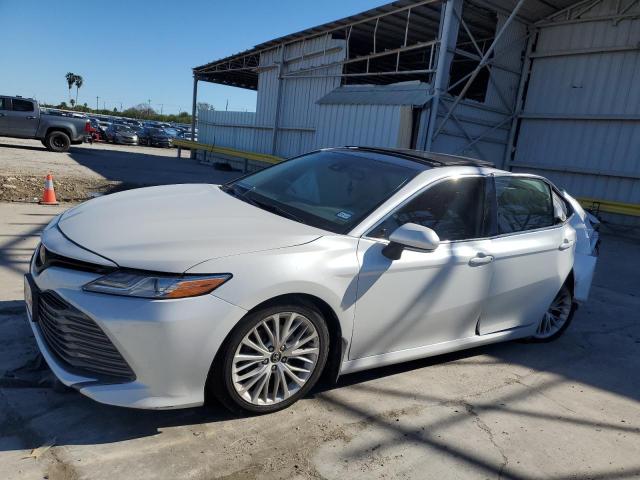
point(425, 298)
point(22, 119)
point(533, 254)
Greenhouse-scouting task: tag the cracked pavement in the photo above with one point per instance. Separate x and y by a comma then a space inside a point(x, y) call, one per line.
point(562, 410)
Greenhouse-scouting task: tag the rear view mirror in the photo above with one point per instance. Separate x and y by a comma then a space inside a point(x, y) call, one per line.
point(411, 235)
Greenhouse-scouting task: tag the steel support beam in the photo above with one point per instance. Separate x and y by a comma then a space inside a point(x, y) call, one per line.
point(449, 26)
point(276, 119)
point(194, 105)
point(481, 65)
point(517, 109)
point(587, 51)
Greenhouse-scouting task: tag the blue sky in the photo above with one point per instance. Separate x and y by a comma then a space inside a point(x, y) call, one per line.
point(131, 51)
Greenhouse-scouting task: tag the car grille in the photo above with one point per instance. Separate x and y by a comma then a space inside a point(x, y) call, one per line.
point(78, 341)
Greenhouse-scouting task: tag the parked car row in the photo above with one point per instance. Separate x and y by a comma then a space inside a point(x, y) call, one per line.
point(129, 131)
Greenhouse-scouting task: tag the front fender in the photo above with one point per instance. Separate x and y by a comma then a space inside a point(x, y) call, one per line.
point(326, 268)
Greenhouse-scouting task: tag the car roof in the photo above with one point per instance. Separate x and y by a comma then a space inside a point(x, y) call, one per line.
point(431, 159)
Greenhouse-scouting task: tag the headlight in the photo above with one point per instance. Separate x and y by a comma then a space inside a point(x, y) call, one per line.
point(137, 284)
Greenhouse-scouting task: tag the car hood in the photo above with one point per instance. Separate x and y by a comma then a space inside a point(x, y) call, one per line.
point(172, 228)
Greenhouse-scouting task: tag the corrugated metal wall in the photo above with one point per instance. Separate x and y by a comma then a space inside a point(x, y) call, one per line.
point(299, 112)
point(586, 132)
point(363, 125)
point(303, 124)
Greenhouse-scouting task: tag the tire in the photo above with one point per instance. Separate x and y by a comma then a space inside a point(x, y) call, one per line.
point(274, 364)
point(557, 318)
point(57, 141)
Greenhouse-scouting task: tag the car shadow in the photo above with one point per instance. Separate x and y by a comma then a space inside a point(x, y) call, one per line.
point(147, 166)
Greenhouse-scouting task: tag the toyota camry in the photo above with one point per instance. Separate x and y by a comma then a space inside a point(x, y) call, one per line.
point(336, 261)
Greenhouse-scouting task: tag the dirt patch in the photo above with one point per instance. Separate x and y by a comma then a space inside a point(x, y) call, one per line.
point(28, 188)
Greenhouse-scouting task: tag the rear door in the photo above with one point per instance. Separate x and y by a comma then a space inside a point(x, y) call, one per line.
point(22, 118)
point(533, 254)
point(5, 105)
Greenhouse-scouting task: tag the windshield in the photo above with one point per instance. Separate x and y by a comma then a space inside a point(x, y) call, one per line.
point(331, 190)
point(122, 128)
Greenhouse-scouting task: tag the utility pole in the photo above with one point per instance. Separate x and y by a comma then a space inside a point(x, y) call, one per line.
point(97, 106)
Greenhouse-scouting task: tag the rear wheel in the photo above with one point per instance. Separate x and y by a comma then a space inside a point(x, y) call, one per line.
point(57, 141)
point(557, 318)
point(273, 358)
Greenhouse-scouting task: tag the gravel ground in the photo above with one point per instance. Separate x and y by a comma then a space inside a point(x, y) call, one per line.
point(90, 169)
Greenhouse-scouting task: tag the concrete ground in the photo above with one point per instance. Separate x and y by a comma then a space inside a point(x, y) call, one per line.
point(563, 410)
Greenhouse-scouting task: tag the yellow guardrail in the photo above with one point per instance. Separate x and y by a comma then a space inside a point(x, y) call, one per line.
point(260, 157)
point(610, 207)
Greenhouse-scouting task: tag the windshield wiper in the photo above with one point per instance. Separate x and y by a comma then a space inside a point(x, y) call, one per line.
point(230, 189)
point(273, 209)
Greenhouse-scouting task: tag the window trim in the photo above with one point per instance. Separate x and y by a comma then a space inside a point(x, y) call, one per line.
point(535, 177)
point(420, 192)
point(494, 208)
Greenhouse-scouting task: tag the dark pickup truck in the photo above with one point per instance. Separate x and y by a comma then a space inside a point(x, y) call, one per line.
point(23, 118)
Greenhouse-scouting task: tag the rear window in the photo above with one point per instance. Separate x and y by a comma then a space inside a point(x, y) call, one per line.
point(523, 204)
point(22, 105)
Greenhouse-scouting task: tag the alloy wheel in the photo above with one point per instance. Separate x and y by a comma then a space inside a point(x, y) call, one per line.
point(275, 359)
point(556, 316)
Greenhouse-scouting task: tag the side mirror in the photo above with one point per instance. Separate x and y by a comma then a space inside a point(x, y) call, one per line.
point(411, 235)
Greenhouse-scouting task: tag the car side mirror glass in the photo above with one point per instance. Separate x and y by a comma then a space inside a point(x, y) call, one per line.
point(411, 235)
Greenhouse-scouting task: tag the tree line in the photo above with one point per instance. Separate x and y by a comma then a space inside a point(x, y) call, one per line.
point(142, 111)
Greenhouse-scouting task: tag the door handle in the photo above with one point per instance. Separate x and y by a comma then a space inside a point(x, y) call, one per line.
point(31, 117)
point(481, 259)
point(566, 243)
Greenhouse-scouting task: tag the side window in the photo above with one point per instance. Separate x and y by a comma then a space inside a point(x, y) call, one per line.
point(453, 208)
point(3, 104)
point(523, 204)
point(22, 105)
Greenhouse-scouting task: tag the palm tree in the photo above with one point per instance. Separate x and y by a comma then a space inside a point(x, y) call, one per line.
point(73, 103)
point(71, 79)
point(78, 81)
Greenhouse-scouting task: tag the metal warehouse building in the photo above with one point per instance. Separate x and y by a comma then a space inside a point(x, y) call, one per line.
point(544, 86)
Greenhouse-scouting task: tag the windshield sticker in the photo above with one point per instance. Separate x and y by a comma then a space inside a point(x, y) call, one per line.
point(344, 215)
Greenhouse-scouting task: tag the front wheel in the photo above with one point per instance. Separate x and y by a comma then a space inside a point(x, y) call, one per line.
point(557, 318)
point(273, 357)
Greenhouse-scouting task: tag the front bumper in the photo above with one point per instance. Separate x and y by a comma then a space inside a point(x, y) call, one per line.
point(169, 344)
point(127, 141)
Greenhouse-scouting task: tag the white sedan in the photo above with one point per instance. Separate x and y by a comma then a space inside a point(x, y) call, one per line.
point(333, 262)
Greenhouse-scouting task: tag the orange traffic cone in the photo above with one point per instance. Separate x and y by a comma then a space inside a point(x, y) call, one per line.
point(49, 195)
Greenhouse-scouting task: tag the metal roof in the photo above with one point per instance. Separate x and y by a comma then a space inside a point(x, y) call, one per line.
point(425, 15)
point(406, 93)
